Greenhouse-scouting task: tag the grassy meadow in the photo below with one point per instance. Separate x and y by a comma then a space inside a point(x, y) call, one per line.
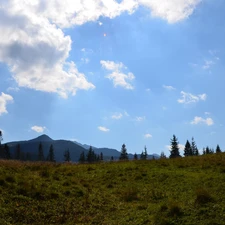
point(157, 192)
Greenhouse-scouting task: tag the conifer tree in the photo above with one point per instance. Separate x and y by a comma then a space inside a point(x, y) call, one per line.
point(207, 150)
point(135, 156)
point(51, 155)
point(82, 157)
point(123, 154)
point(1, 138)
point(187, 149)
point(218, 150)
point(203, 151)
point(162, 155)
point(112, 158)
point(145, 153)
point(194, 147)
point(67, 156)
point(174, 152)
point(91, 157)
point(40, 152)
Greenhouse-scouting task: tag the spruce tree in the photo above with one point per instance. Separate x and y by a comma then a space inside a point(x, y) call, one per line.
point(218, 150)
point(82, 157)
point(162, 155)
point(123, 154)
point(135, 156)
point(194, 147)
point(51, 155)
point(67, 156)
point(40, 152)
point(145, 153)
point(174, 152)
point(187, 149)
point(91, 157)
point(1, 138)
point(207, 150)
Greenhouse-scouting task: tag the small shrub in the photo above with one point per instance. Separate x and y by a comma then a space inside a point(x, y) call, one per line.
point(130, 195)
point(10, 179)
point(174, 209)
point(2, 182)
point(203, 196)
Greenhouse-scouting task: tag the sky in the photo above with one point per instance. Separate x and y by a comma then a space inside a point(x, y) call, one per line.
point(107, 72)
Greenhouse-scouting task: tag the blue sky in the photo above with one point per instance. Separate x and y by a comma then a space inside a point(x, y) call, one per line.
point(111, 72)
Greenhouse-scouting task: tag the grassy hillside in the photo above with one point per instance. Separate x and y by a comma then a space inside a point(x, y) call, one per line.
point(160, 192)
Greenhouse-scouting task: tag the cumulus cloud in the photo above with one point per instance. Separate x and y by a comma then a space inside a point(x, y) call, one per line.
point(118, 77)
point(171, 10)
point(169, 88)
point(187, 98)
point(4, 100)
point(199, 120)
point(103, 129)
point(148, 136)
point(38, 129)
point(36, 49)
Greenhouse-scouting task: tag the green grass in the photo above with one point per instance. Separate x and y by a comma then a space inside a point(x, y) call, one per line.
point(157, 192)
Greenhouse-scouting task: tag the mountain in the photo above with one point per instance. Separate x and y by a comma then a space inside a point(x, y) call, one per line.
point(75, 148)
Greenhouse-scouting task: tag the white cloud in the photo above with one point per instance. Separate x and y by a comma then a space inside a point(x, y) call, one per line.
point(208, 64)
point(104, 129)
point(85, 60)
point(36, 49)
point(199, 120)
point(169, 88)
point(117, 76)
point(4, 100)
point(148, 89)
point(16, 89)
point(38, 129)
point(148, 136)
point(188, 98)
point(171, 10)
point(117, 116)
point(207, 113)
point(140, 118)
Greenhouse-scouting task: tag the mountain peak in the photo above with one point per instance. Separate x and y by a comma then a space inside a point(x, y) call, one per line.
point(43, 137)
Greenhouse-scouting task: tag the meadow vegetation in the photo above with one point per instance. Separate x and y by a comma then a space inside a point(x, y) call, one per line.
point(186, 190)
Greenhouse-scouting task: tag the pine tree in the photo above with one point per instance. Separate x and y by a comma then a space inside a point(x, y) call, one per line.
point(91, 157)
point(218, 150)
point(145, 153)
point(123, 154)
point(1, 138)
point(18, 152)
point(174, 152)
point(207, 150)
point(67, 156)
point(162, 155)
point(82, 158)
point(112, 158)
point(51, 155)
point(187, 149)
point(135, 156)
point(203, 151)
point(7, 152)
point(194, 147)
point(40, 152)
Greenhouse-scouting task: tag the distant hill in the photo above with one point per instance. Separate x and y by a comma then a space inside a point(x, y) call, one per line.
point(75, 148)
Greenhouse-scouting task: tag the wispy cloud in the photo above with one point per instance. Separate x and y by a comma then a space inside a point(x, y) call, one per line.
point(169, 88)
point(117, 116)
point(103, 129)
point(38, 129)
point(199, 120)
point(4, 100)
point(118, 77)
point(187, 98)
point(140, 118)
point(208, 64)
point(147, 136)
